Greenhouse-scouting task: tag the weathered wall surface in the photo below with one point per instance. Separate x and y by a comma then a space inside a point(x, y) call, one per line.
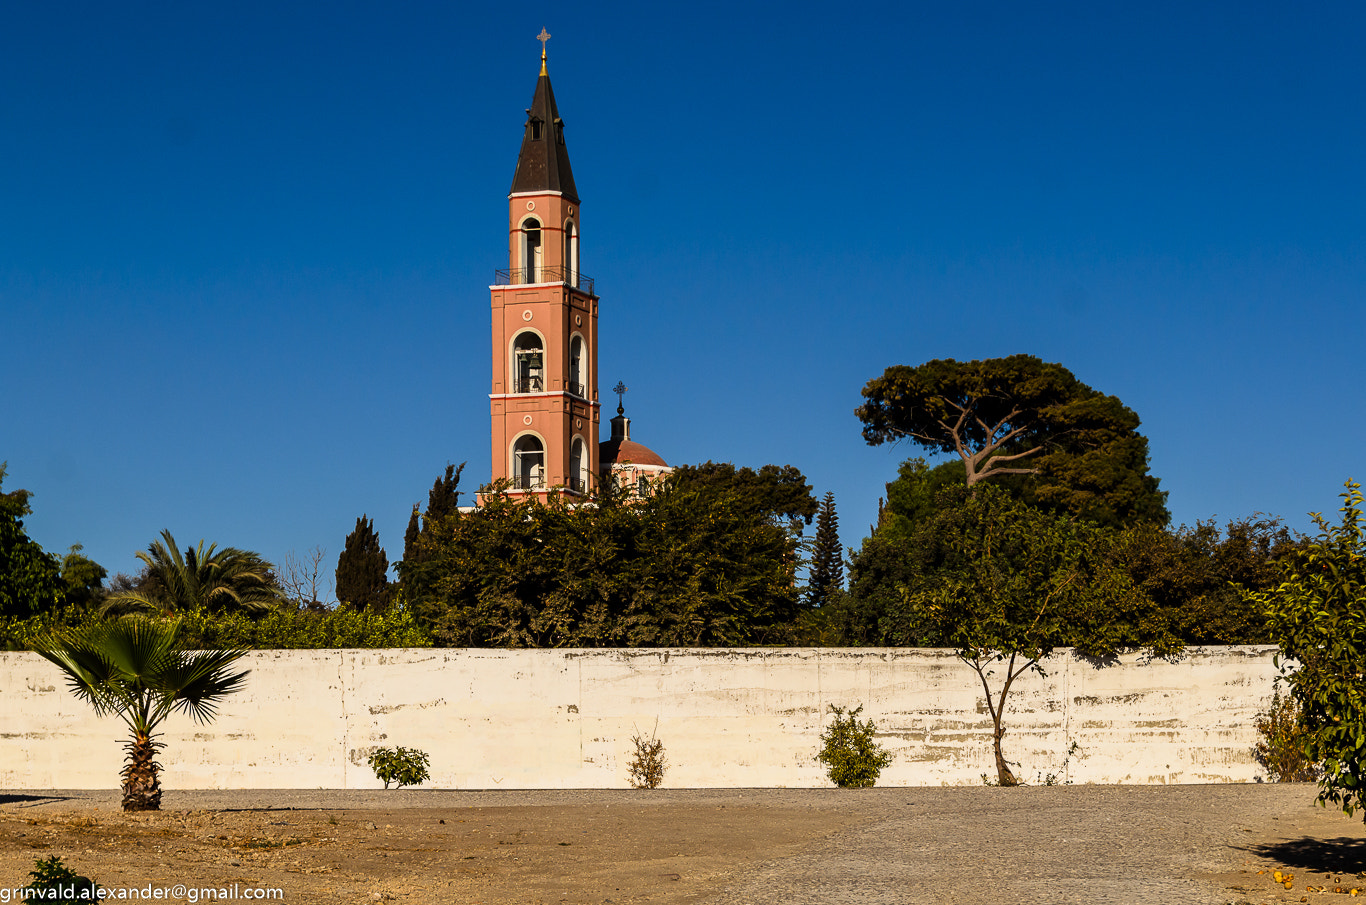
point(728, 718)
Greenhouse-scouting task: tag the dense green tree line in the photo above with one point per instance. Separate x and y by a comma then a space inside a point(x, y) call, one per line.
point(694, 563)
point(1195, 574)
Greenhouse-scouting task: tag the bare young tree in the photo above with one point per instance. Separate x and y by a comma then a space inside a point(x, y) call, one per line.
point(304, 581)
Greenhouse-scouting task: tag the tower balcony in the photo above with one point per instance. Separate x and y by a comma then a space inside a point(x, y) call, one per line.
point(518, 276)
point(528, 482)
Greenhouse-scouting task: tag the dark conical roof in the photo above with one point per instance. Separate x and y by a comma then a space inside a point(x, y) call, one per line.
point(543, 164)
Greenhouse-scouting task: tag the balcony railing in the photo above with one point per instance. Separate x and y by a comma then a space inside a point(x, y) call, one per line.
point(528, 385)
point(518, 276)
point(528, 482)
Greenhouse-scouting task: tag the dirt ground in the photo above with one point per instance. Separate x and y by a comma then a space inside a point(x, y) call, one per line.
point(1210, 844)
point(523, 854)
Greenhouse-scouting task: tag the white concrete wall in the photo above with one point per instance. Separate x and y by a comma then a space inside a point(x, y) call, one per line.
point(728, 718)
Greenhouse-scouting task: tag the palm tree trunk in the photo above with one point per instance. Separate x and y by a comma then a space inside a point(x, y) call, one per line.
point(141, 785)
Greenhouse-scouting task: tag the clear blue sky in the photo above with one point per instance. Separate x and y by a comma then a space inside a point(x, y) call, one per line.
point(245, 248)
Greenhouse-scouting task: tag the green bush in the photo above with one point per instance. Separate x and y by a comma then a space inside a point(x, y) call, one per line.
point(283, 628)
point(404, 766)
point(852, 758)
point(286, 629)
point(20, 633)
point(1283, 737)
point(53, 881)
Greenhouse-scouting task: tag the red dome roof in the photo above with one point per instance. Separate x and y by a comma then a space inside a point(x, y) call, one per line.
point(627, 452)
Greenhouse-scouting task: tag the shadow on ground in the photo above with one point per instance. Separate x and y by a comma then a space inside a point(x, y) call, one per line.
point(1344, 855)
point(6, 798)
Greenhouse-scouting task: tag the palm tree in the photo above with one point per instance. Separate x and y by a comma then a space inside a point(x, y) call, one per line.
point(201, 578)
point(136, 669)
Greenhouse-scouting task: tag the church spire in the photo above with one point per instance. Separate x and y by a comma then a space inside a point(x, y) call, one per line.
point(543, 164)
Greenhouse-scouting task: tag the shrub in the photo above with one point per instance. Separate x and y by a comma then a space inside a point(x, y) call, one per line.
point(21, 633)
point(647, 767)
point(54, 881)
point(852, 758)
point(289, 629)
point(283, 628)
point(1283, 738)
point(404, 766)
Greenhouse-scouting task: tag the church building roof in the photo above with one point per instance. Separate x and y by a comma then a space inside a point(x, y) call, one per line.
point(622, 450)
point(627, 452)
point(543, 164)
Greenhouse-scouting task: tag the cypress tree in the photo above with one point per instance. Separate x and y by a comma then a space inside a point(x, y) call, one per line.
point(410, 550)
point(827, 558)
point(362, 569)
point(444, 497)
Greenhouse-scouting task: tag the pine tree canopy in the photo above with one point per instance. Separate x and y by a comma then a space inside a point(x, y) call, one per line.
point(827, 557)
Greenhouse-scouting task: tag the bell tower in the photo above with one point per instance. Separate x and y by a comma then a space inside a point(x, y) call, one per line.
point(543, 402)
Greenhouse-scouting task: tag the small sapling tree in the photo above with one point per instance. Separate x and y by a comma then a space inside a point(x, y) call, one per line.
point(401, 766)
point(1318, 617)
point(1006, 584)
point(852, 758)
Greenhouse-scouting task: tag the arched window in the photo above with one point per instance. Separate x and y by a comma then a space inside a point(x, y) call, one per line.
point(578, 466)
point(578, 368)
point(571, 254)
point(528, 364)
point(531, 250)
point(528, 463)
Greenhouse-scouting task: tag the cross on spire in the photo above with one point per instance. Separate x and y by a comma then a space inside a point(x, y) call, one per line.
point(543, 37)
point(620, 389)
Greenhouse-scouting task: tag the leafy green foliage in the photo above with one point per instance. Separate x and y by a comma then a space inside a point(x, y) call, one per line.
point(307, 629)
point(827, 556)
point(685, 566)
point(201, 578)
point(1282, 737)
point(284, 628)
point(853, 759)
point(1006, 584)
point(1192, 574)
point(82, 579)
point(30, 578)
point(402, 766)
point(1200, 577)
point(139, 670)
point(53, 881)
point(911, 497)
point(363, 569)
point(1022, 416)
point(1318, 618)
point(25, 632)
point(778, 493)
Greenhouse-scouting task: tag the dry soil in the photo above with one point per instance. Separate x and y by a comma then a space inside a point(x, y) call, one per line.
point(1135, 844)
